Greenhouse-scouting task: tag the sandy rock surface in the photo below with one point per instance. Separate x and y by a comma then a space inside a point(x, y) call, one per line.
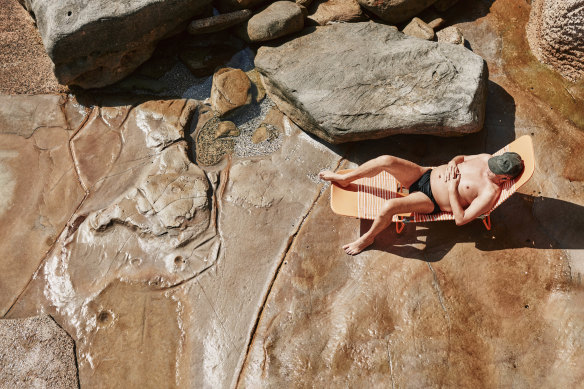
point(324, 11)
point(450, 34)
point(36, 353)
point(419, 29)
point(364, 87)
point(556, 34)
point(25, 66)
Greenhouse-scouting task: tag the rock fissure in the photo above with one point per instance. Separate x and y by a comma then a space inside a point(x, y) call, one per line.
point(282, 259)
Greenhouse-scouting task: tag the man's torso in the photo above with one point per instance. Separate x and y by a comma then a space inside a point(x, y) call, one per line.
point(473, 181)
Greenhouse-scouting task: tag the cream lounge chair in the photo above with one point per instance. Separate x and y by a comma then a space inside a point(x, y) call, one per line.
point(363, 198)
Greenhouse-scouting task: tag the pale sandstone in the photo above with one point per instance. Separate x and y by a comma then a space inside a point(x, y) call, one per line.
point(450, 35)
point(324, 11)
point(419, 29)
point(40, 186)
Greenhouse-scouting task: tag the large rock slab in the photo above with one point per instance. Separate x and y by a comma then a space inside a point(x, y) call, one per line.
point(395, 11)
point(36, 353)
point(555, 34)
point(348, 82)
point(97, 43)
point(39, 187)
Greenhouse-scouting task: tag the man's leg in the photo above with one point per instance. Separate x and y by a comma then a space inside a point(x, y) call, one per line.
point(415, 202)
point(404, 171)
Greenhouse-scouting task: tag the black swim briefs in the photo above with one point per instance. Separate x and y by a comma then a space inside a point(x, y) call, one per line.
point(423, 185)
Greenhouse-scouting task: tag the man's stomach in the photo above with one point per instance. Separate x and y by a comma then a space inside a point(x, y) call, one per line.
point(440, 188)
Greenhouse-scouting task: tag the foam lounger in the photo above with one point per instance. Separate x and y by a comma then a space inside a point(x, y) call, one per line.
point(363, 198)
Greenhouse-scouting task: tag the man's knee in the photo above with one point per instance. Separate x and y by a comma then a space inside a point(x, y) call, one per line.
point(386, 160)
point(388, 208)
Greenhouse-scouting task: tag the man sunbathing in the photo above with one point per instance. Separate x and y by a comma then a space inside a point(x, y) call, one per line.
point(468, 186)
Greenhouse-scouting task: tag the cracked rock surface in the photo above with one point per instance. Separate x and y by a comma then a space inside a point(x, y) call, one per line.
point(176, 253)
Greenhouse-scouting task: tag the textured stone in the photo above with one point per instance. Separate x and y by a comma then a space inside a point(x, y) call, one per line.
point(372, 88)
point(450, 35)
point(39, 186)
point(324, 11)
point(226, 129)
point(277, 20)
point(36, 353)
point(395, 11)
point(24, 65)
point(230, 90)
point(98, 43)
point(260, 134)
point(218, 22)
point(555, 34)
point(418, 29)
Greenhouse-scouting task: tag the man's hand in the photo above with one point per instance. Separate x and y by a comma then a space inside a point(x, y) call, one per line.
point(453, 182)
point(451, 171)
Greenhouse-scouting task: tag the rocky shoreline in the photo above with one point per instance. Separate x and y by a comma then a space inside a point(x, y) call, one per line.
point(170, 221)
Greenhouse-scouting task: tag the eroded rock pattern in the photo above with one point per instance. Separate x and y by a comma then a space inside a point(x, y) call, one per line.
point(555, 33)
point(170, 273)
point(354, 81)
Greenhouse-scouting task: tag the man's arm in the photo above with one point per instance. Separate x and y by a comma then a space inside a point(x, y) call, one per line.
point(479, 206)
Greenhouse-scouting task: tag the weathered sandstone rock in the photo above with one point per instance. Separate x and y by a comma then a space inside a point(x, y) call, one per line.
point(36, 353)
point(277, 20)
point(100, 42)
point(395, 11)
point(226, 129)
point(450, 35)
point(355, 81)
point(324, 11)
point(556, 34)
point(39, 185)
point(418, 29)
point(218, 22)
point(145, 226)
point(230, 90)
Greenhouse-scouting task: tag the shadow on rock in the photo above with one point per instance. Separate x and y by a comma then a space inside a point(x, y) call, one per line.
point(523, 221)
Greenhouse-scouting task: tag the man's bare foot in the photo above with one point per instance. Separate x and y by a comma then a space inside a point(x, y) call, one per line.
point(357, 246)
point(334, 177)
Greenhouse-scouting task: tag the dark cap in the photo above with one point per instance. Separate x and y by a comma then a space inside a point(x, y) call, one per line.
point(509, 164)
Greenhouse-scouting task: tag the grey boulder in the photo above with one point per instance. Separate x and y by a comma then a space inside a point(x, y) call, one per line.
point(277, 20)
point(354, 81)
point(96, 43)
